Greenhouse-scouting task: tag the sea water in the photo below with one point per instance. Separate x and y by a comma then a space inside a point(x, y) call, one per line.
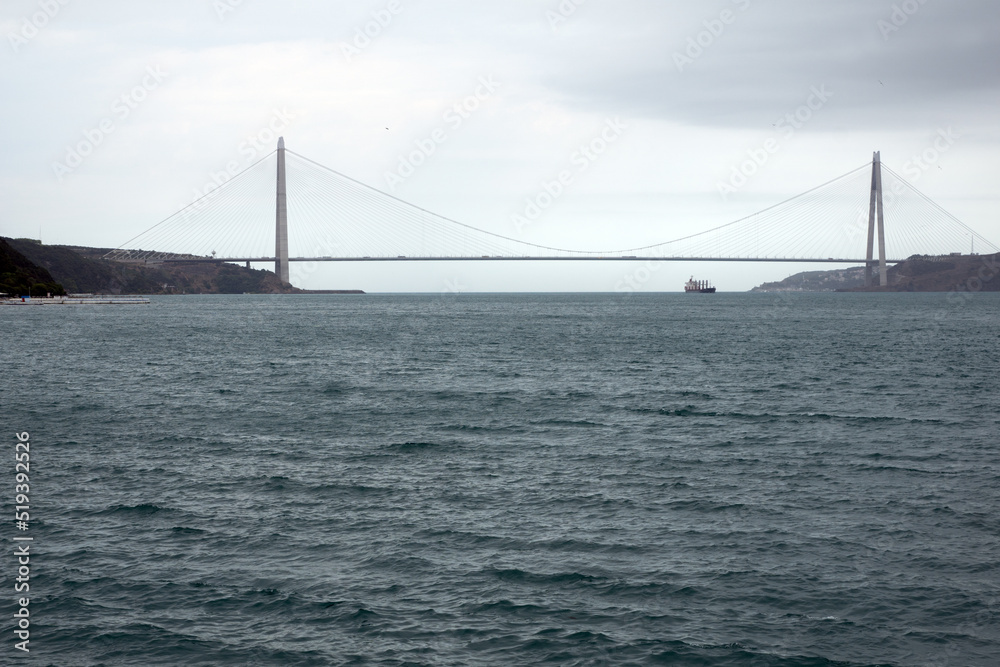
point(729, 479)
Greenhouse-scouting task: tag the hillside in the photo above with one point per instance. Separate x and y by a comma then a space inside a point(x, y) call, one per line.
point(19, 276)
point(950, 273)
point(817, 281)
point(81, 269)
point(975, 273)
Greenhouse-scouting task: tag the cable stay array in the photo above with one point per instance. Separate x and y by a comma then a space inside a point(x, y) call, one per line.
point(335, 217)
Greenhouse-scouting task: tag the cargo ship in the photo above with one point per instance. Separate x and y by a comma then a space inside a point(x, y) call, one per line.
point(698, 287)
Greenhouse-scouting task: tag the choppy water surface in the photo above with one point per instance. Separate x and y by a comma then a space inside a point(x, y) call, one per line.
point(806, 480)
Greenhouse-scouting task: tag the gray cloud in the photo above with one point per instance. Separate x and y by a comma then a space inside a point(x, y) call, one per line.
point(940, 62)
point(561, 78)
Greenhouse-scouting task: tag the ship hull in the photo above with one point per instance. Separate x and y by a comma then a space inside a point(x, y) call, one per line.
point(698, 287)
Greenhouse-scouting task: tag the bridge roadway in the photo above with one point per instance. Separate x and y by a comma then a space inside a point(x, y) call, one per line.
point(502, 258)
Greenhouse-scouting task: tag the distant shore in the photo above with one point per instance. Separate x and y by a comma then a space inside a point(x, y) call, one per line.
point(42, 269)
point(920, 273)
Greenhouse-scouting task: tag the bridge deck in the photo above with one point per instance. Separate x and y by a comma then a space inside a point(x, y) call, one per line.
point(629, 258)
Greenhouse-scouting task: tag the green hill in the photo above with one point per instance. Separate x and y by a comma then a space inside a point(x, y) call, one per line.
point(19, 276)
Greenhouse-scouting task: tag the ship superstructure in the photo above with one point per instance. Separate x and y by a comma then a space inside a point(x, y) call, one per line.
point(698, 287)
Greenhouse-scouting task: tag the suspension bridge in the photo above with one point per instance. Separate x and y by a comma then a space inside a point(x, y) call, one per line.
point(339, 219)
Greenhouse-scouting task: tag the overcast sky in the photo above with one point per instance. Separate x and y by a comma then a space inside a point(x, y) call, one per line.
point(162, 95)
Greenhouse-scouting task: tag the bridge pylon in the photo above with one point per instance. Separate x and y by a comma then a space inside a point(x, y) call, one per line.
point(876, 212)
point(281, 219)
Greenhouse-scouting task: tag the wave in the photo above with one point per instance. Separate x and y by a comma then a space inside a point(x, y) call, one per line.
point(696, 411)
point(142, 509)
